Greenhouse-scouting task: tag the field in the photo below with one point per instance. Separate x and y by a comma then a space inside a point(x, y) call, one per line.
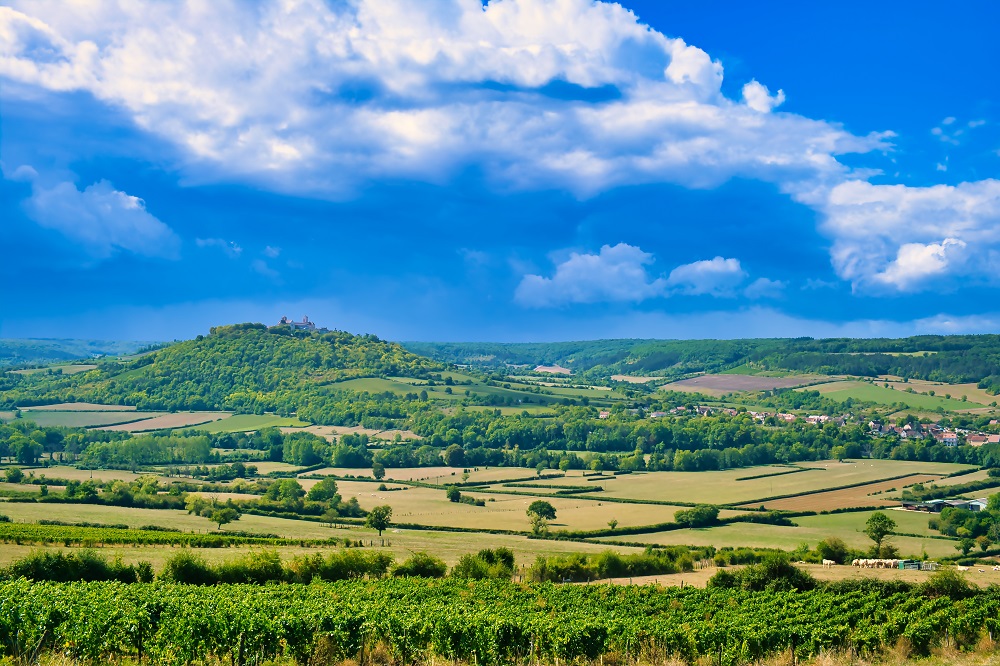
point(881, 493)
point(811, 531)
point(79, 406)
point(436, 475)
point(173, 420)
point(81, 419)
point(635, 380)
point(723, 487)
point(71, 369)
point(447, 545)
point(249, 422)
point(728, 383)
point(857, 390)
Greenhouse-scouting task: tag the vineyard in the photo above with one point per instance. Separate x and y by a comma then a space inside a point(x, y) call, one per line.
point(478, 622)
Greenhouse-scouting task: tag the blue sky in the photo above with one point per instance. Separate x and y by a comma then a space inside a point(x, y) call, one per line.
point(517, 170)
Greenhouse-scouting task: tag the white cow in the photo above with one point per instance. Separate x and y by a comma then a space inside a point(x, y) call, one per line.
point(828, 563)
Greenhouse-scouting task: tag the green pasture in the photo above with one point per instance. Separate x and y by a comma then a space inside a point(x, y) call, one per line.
point(879, 394)
point(248, 422)
point(80, 419)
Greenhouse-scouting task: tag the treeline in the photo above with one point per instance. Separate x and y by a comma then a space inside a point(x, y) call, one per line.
point(952, 358)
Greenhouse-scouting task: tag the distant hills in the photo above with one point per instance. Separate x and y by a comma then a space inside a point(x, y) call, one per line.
point(43, 351)
point(247, 368)
point(951, 358)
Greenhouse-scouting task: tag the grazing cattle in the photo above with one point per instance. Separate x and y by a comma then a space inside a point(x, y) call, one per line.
point(828, 563)
point(961, 568)
point(996, 568)
point(856, 563)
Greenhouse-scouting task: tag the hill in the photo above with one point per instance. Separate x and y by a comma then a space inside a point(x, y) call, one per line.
point(33, 352)
point(952, 358)
point(246, 368)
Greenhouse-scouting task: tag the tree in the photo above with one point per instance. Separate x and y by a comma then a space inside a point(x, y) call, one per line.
point(324, 491)
point(542, 509)
point(379, 518)
point(378, 470)
point(330, 516)
point(983, 542)
point(878, 527)
point(834, 549)
point(965, 545)
point(699, 516)
point(613, 523)
point(540, 512)
point(224, 516)
point(453, 494)
point(14, 475)
point(454, 456)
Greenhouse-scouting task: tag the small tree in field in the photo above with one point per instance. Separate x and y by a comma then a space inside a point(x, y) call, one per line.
point(330, 516)
point(878, 528)
point(379, 518)
point(224, 516)
point(613, 523)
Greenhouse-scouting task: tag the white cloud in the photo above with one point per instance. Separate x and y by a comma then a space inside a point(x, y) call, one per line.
point(715, 277)
point(765, 288)
point(272, 252)
point(615, 274)
point(230, 248)
point(102, 220)
point(894, 237)
point(318, 98)
point(758, 97)
point(270, 93)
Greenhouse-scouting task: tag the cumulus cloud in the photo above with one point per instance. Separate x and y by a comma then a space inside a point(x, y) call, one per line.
point(765, 288)
point(272, 252)
point(899, 238)
point(616, 274)
point(102, 220)
point(315, 97)
point(759, 98)
point(715, 277)
point(318, 98)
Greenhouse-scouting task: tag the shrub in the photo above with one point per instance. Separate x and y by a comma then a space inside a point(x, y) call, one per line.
point(84, 565)
point(487, 563)
point(421, 565)
point(186, 567)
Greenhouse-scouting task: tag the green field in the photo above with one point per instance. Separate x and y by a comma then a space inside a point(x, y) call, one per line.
point(884, 396)
point(811, 530)
point(722, 487)
point(79, 419)
point(248, 422)
point(446, 545)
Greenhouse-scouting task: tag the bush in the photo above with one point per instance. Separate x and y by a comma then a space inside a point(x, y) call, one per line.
point(775, 572)
point(834, 549)
point(256, 567)
point(422, 565)
point(487, 563)
point(339, 566)
point(947, 583)
point(186, 567)
point(84, 565)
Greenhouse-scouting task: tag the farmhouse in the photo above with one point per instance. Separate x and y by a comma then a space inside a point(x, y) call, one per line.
point(976, 440)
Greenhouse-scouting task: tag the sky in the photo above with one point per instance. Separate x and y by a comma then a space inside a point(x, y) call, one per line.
point(512, 170)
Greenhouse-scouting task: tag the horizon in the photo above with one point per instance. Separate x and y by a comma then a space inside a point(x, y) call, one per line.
point(505, 171)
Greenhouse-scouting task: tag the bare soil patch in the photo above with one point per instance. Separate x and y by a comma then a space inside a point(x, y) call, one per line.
point(634, 380)
point(167, 421)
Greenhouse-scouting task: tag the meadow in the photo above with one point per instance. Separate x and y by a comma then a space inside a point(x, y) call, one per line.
point(877, 393)
point(251, 422)
point(82, 419)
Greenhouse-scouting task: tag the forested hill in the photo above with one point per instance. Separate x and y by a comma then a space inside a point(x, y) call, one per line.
point(245, 367)
point(28, 352)
point(949, 358)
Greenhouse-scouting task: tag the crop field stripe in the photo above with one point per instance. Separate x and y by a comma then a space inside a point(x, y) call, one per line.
point(745, 505)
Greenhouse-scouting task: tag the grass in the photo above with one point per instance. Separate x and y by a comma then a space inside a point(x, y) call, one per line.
point(723, 488)
point(78, 419)
point(248, 422)
point(447, 545)
point(788, 538)
point(857, 390)
point(79, 407)
point(437, 475)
